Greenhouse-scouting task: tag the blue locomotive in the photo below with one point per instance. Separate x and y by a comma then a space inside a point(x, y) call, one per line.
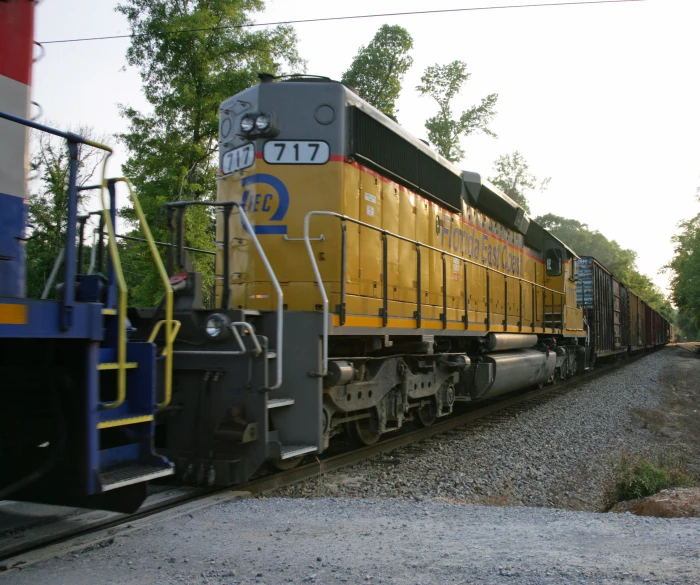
point(78, 396)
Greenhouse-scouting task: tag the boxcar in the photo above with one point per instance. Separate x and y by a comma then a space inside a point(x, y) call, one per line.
point(605, 303)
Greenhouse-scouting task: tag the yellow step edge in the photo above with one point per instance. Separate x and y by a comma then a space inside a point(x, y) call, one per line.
point(120, 422)
point(109, 311)
point(115, 366)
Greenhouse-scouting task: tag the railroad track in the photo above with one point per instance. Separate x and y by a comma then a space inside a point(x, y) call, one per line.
point(692, 346)
point(21, 546)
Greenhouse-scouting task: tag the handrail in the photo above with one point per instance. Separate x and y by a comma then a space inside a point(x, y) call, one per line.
point(254, 338)
point(278, 290)
point(68, 301)
point(171, 329)
point(321, 288)
point(121, 303)
point(169, 322)
point(261, 252)
point(419, 245)
point(52, 275)
point(70, 265)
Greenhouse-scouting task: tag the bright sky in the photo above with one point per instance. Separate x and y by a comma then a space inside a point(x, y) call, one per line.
point(603, 99)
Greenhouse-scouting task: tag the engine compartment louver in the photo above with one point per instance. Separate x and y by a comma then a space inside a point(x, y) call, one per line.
point(374, 144)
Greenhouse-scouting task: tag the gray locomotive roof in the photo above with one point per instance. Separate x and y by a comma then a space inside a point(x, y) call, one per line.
point(492, 198)
point(353, 99)
point(484, 194)
point(495, 202)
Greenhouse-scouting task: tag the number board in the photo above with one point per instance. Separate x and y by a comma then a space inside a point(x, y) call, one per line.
point(296, 152)
point(238, 158)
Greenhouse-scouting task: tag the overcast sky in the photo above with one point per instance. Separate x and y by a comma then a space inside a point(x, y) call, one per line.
point(603, 99)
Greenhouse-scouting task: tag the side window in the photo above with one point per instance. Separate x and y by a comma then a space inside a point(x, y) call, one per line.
point(552, 259)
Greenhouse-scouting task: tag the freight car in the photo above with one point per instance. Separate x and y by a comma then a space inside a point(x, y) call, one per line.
point(76, 424)
point(619, 322)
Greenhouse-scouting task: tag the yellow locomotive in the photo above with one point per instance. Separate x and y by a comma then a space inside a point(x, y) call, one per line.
point(363, 281)
point(410, 284)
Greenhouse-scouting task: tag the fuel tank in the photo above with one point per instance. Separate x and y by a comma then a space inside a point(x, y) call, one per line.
point(497, 374)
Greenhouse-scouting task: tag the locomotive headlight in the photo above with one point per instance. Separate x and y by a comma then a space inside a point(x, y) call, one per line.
point(247, 123)
point(217, 327)
point(262, 122)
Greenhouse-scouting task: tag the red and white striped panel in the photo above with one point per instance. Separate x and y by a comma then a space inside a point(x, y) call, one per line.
point(16, 44)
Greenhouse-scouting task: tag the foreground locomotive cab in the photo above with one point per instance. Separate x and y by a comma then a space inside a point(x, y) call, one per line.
point(77, 422)
point(362, 282)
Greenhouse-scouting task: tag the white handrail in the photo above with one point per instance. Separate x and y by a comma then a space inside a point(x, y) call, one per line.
point(319, 281)
point(54, 272)
point(93, 251)
point(278, 290)
point(253, 336)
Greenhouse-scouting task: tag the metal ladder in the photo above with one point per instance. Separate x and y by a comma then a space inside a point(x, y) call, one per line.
point(127, 368)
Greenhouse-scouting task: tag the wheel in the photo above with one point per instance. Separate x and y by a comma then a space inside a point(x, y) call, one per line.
point(560, 374)
point(365, 431)
point(426, 415)
point(286, 464)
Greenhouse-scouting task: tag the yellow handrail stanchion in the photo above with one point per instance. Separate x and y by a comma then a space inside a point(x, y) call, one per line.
point(122, 304)
point(171, 327)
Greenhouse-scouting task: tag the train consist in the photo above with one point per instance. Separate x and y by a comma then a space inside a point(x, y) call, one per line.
point(363, 282)
point(619, 321)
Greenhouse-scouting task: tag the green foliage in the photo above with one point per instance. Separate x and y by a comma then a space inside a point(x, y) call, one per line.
point(377, 70)
point(186, 75)
point(622, 262)
point(443, 83)
point(48, 201)
point(686, 326)
point(685, 275)
point(514, 178)
point(636, 477)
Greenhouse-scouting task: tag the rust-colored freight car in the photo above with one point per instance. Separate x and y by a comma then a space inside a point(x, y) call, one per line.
point(618, 320)
point(605, 303)
point(649, 337)
point(636, 321)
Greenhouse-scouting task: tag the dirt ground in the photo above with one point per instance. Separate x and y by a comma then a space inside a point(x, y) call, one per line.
point(676, 421)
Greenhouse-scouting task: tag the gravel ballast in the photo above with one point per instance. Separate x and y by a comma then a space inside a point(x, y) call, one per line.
point(324, 541)
point(559, 453)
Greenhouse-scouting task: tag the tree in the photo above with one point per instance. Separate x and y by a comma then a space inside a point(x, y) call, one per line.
point(685, 275)
point(622, 262)
point(48, 200)
point(192, 55)
point(443, 83)
point(377, 70)
point(514, 178)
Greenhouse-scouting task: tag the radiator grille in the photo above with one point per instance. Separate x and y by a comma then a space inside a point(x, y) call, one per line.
point(378, 146)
